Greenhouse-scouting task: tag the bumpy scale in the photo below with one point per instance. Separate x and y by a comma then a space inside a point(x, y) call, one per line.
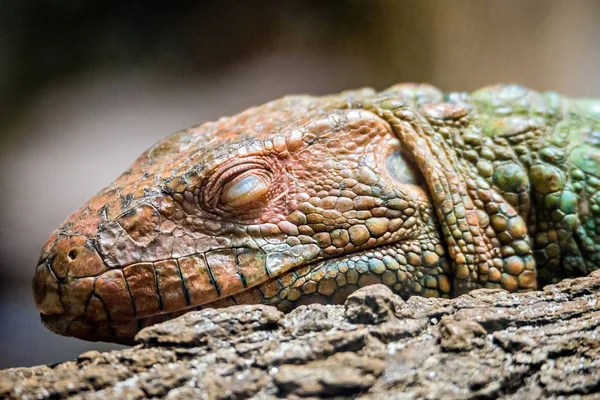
point(305, 199)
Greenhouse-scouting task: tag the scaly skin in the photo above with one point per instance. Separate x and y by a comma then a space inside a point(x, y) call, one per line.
point(305, 199)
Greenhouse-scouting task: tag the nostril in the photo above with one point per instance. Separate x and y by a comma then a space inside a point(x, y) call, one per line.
point(72, 255)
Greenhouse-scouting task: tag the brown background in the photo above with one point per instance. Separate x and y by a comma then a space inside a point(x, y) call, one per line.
point(85, 88)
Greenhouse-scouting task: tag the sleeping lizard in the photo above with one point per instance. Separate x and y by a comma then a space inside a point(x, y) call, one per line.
point(306, 199)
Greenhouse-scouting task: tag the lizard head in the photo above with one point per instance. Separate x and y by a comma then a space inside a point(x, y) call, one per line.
point(301, 199)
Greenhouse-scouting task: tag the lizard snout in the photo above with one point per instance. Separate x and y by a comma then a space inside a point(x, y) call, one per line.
point(65, 273)
point(75, 291)
point(46, 291)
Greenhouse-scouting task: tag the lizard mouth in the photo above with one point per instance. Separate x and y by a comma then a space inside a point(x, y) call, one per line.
point(328, 281)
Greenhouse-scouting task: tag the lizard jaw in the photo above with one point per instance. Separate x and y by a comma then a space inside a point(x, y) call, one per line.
point(57, 320)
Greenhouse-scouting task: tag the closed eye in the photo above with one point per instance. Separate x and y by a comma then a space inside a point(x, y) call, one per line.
point(245, 190)
point(240, 188)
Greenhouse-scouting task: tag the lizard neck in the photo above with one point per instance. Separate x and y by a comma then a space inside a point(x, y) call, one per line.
point(559, 164)
point(539, 153)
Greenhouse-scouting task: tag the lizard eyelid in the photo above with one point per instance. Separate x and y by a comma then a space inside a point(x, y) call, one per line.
point(225, 189)
point(245, 189)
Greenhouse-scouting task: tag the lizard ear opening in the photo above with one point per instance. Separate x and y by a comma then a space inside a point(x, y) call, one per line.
point(403, 169)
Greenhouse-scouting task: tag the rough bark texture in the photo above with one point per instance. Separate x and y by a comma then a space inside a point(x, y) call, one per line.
point(485, 344)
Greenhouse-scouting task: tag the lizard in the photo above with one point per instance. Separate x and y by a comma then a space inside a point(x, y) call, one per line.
point(306, 199)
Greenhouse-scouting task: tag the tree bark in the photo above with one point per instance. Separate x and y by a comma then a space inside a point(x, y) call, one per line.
point(485, 344)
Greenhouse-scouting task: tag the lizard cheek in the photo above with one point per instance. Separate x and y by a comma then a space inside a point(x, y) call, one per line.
point(244, 191)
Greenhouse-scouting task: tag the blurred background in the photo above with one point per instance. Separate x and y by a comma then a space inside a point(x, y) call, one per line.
point(86, 86)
